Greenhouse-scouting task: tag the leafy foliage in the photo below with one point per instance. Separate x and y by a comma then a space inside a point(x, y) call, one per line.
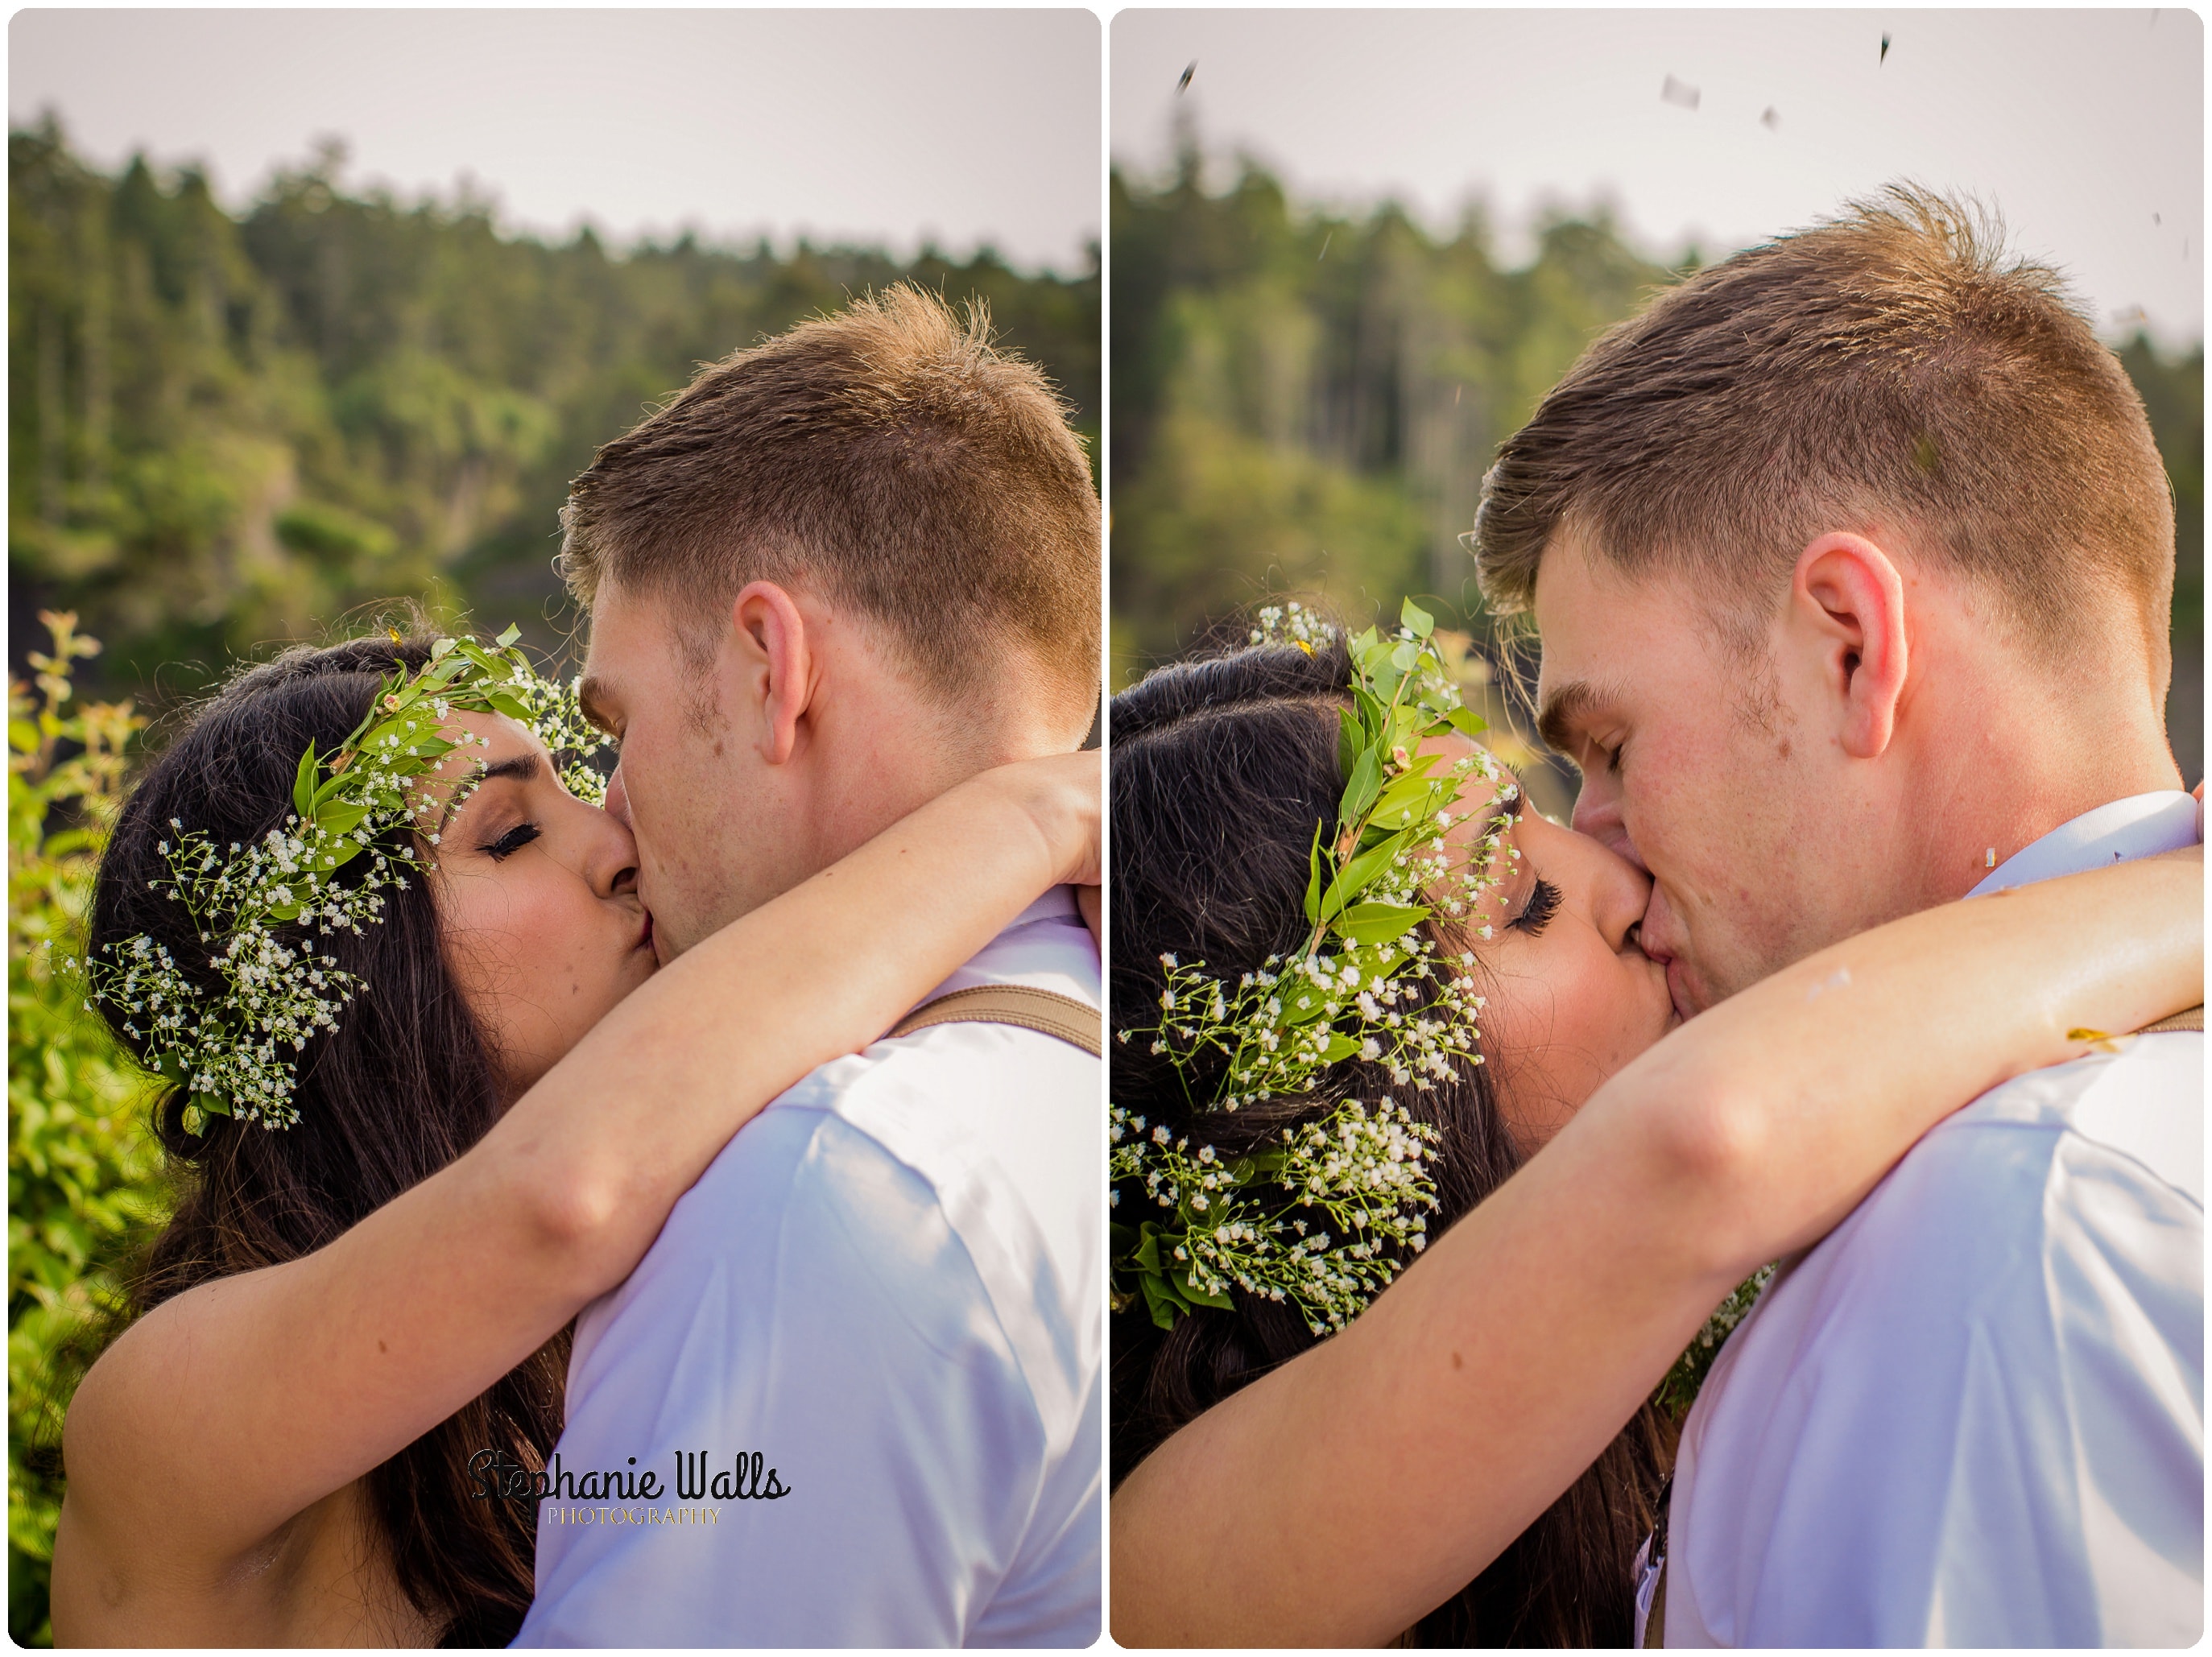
point(82, 1169)
point(1305, 401)
point(230, 429)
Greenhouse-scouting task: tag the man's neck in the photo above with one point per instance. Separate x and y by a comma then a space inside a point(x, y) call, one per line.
point(872, 773)
point(1980, 801)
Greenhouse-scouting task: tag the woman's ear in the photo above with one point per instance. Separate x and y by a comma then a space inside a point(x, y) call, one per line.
point(1847, 606)
point(774, 666)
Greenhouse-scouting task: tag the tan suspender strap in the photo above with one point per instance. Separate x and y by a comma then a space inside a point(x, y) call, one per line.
point(2191, 1020)
point(1047, 1011)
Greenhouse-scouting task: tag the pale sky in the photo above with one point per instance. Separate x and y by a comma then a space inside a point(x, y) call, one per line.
point(870, 127)
point(2085, 129)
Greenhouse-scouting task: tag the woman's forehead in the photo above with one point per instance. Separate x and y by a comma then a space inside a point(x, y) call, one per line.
point(1476, 790)
point(508, 738)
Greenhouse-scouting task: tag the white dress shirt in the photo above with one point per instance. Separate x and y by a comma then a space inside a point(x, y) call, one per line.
point(1974, 1414)
point(887, 1288)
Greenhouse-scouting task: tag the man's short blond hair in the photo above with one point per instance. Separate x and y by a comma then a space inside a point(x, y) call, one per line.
point(1888, 370)
point(890, 455)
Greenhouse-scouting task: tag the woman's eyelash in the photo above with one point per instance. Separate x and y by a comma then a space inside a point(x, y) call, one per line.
point(1535, 914)
point(512, 841)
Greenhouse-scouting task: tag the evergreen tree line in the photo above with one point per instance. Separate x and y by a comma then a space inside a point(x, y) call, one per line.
point(1306, 401)
point(231, 429)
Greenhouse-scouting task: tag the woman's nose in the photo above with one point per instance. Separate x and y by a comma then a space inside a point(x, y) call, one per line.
point(1624, 894)
point(612, 869)
point(1614, 889)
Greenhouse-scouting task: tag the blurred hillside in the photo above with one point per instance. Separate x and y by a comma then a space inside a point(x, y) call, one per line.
point(1305, 401)
point(228, 430)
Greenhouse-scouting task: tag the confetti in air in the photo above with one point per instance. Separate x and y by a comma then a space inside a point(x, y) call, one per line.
point(1771, 121)
point(1679, 92)
point(1885, 51)
point(1189, 69)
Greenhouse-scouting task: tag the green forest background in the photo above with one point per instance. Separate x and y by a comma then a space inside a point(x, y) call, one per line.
point(1305, 401)
point(232, 430)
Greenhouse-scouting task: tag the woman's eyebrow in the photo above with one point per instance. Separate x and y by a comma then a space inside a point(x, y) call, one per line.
point(522, 768)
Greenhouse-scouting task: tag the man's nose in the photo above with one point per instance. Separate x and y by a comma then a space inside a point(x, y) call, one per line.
point(617, 801)
point(1597, 814)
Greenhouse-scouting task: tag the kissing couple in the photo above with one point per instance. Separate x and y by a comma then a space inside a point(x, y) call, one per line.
point(1442, 1130)
point(672, 1220)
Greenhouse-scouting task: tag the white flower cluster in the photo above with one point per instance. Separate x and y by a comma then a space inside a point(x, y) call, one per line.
point(1323, 1222)
point(1280, 1027)
point(236, 1053)
point(1679, 1389)
point(258, 910)
point(1370, 983)
point(556, 714)
point(1294, 624)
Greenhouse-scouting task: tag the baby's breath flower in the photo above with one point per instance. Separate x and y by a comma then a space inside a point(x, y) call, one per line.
point(1379, 1001)
point(231, 1030)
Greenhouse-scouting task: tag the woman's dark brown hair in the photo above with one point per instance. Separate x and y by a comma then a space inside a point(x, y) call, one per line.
point(1221, 768)
point(404, 1085)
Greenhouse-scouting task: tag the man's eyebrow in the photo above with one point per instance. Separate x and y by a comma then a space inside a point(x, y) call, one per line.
point(523, 767)
point(591, 696)
point(1563, 710)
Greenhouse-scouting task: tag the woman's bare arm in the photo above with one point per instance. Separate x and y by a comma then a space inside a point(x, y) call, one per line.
point(1341, 1498)
point(223, 1413)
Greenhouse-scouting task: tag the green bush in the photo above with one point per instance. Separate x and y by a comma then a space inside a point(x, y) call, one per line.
point(82, 1171)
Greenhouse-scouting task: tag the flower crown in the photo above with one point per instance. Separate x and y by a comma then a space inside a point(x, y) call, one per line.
point(237, 1052)
point(1365, 984)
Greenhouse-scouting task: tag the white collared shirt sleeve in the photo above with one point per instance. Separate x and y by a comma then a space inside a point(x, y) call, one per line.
point(1974, 1415)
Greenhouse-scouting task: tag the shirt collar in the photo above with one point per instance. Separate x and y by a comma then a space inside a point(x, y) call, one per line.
point(1058, 904)
point(2140, 826)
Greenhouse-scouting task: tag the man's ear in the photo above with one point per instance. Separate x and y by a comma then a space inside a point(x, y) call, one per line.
point(776, 666)
point(1847, 602)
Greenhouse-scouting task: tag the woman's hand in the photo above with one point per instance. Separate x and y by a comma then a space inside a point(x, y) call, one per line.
point(1062, 794)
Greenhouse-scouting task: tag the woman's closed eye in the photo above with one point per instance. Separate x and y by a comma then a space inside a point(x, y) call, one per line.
point(512, 841)
point(1536, 913)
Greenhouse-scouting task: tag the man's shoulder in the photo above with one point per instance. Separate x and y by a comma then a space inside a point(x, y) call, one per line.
point(2134, 1111)
point(802, 1206)
point(2004, 1338)
point(950, 1180)
point(2076, 1183)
